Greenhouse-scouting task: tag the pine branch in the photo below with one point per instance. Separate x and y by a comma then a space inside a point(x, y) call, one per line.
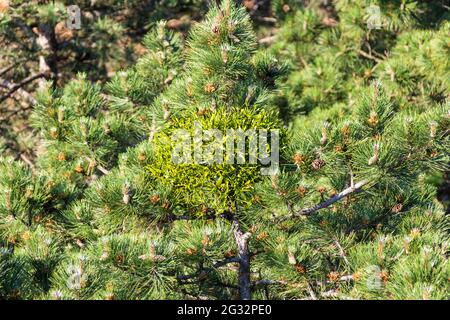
point(311, 292)
point(369, 56)
point(308, 211)
point(27, 161)
point(5, 70)
point(342, 252)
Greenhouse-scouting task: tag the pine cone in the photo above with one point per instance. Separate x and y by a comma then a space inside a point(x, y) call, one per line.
point(317, 164)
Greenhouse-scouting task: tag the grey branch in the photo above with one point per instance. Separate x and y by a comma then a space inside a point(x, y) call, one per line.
point(308, 211)
point(13, 87)
point(241, 239)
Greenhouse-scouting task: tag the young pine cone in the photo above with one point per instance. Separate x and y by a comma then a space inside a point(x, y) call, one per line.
point(318, 164)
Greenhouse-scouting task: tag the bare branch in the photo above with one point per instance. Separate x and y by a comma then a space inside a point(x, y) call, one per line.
point(18, 86)
point(307, 211)
point(369, 56)
point(311, 292)
point(342, 252)
point(26, 160)
point(5, 70)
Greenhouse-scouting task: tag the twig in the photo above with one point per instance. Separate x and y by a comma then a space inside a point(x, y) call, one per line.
point(342, 279)
point(342, 252)
point(5, 70)
point(26, 160)
point(267, 19)
point(369, 56)
point(311, 292)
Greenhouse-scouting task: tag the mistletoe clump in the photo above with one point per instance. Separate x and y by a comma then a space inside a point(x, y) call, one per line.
point(351, 212)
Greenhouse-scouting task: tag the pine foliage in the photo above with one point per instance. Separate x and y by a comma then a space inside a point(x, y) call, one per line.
point(351, 214)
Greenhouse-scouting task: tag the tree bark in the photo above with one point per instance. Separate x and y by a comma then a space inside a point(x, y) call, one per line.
point(241, 239)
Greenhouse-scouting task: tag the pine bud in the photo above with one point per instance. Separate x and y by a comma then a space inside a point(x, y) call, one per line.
point(205, 241)
point(346, 130)
point(191, 251)
point(374, 159)
point(381, 244)
point(79, 243)
point(26, 236)
point(165, 205)
point(91, 167)
point(250, 94)
point(321, 189)
point(109, 296)
point(291, 258)
point(356, 276)
point(433, 128)
point(56, 295)
point(216, 25)
point(324, 139)
point(397, 208)
point(77, 214)
point(166, 112)
point(373, 119)
point(141, 157)
point(384, 276)
point(106, 128)
point(8, 199)
point(61, 156)
point(61, 112)
point(79, 168)
point(317, 164)
point(4, 6)
point(83, 129)
point(300, 268)
point(263, 235)
point(333, 276)
point(225, 50)
point(415, 232)
point(169, 79)
point(301, 191)
point(189, 90)
point(298, 158)
point(29, 192)
point(209, 88)
point(126, 193)
point(53, 133)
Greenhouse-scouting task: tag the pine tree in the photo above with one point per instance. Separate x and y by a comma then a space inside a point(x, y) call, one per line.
point(40, 42)
point(351, 213)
